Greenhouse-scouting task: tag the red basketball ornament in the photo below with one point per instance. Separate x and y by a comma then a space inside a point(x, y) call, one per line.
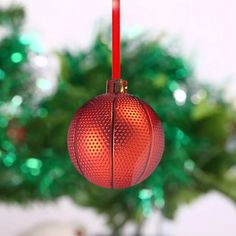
point(115, 140)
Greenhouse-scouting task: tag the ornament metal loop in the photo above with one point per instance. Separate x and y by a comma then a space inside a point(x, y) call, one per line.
point(117, 86)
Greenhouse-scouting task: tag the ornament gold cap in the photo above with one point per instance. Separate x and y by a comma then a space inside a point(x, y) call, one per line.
point(117, 86)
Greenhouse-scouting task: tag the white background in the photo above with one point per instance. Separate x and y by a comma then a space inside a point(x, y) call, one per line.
point(205, 28)
point(206, 33)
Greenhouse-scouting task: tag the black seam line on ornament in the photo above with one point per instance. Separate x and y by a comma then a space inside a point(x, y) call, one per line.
point(113, 113)
point(150, 144)
point(76, 154)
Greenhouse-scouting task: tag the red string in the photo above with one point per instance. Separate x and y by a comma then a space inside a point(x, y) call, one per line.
point(116, 39)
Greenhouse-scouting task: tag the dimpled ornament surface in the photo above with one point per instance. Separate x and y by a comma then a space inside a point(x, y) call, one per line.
point(115, 140)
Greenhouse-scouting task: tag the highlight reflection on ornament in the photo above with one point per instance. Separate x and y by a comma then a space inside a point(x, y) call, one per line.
point(115, 140)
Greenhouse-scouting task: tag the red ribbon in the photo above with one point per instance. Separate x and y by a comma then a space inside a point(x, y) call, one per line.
point(116, 39)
